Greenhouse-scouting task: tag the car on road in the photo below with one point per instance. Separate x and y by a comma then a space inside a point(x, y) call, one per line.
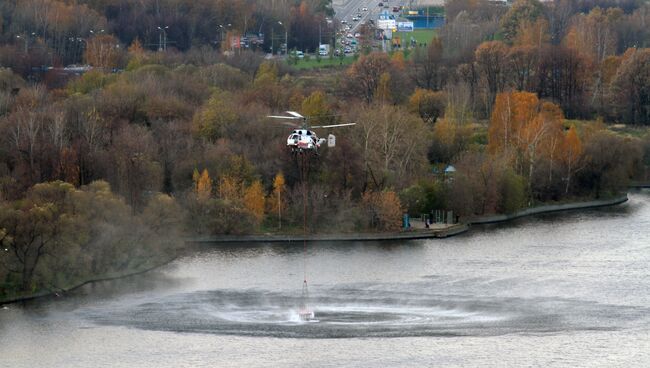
point(349, 35)
point(357, 34)
point(344, 21)
point(348, 50)
point(364, 9)
point(381, 4)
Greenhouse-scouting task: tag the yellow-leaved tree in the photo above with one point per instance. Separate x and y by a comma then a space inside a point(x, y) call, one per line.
point(230, 189)
point(204, 186)
point(571, 154)
point(276, 203)
point(254, 200)
point(384, 208)
point(316, 107)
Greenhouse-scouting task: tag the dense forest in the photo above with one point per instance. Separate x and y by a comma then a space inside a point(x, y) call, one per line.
point(531, 103)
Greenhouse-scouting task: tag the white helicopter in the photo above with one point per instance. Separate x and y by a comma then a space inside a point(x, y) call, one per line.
point(303, 139)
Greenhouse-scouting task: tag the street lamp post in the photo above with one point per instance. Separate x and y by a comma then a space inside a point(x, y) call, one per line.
point(162, 38)
point(221, 27)
point(286, 43)
point(25, 37)
point(93, 32)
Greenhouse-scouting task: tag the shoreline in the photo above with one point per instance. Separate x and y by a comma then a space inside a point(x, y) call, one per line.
point(80, 284)
point(565, 207)
point(452, 230)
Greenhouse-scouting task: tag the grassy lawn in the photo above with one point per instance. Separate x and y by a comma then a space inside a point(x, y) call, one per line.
point(324, 63)
point(420, 35)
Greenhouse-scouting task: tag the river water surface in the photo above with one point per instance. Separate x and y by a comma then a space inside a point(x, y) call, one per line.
point(569, 289)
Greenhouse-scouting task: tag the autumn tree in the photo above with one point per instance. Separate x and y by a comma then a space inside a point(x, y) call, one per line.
point(630, 90)
point(103, 51)
point(254, 200)
point(214, 119)
point(427, 104)
point(448, 141)
point(523, 62)
point(524, 127)
point(563, 77)
point(204, 185)
point(594, 34)
point(382, 132)
point(571, 155)
point(610, 162)
point(365, 74)
point(315, 106)
point(385, 210)
point(559, 13)
point(427, 68)
point(532, 33)
point(491, 61)
point(275, 201)
point(520, 12)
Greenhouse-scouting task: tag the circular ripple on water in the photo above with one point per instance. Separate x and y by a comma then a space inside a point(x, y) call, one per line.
point(349, 313)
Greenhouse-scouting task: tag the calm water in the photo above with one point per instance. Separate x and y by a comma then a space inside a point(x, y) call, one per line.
point(562, 290)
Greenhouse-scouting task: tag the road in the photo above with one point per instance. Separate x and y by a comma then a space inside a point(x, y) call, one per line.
point(346, 9)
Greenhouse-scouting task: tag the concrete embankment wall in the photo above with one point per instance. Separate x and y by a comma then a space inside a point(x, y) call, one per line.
point(548, 209)
point(406, 235)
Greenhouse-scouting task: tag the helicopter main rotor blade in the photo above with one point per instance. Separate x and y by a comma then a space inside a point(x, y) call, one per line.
point(290, 124)
point(333, 126)
point(283, 117)
point(297, 115)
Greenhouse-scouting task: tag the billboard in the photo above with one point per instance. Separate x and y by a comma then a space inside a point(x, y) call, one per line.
point(404, 26)
point(386, 24)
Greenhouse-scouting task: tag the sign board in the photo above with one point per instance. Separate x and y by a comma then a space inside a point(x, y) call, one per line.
point(386, 24)
point(384, 15)
point(404, 26)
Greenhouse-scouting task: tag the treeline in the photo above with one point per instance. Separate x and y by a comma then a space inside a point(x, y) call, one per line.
point(57, 32)
point(588, 57)
point(58, 236)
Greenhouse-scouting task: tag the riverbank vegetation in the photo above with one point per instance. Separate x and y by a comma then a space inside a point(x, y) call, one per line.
point(58, 236)
point(507, 108)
